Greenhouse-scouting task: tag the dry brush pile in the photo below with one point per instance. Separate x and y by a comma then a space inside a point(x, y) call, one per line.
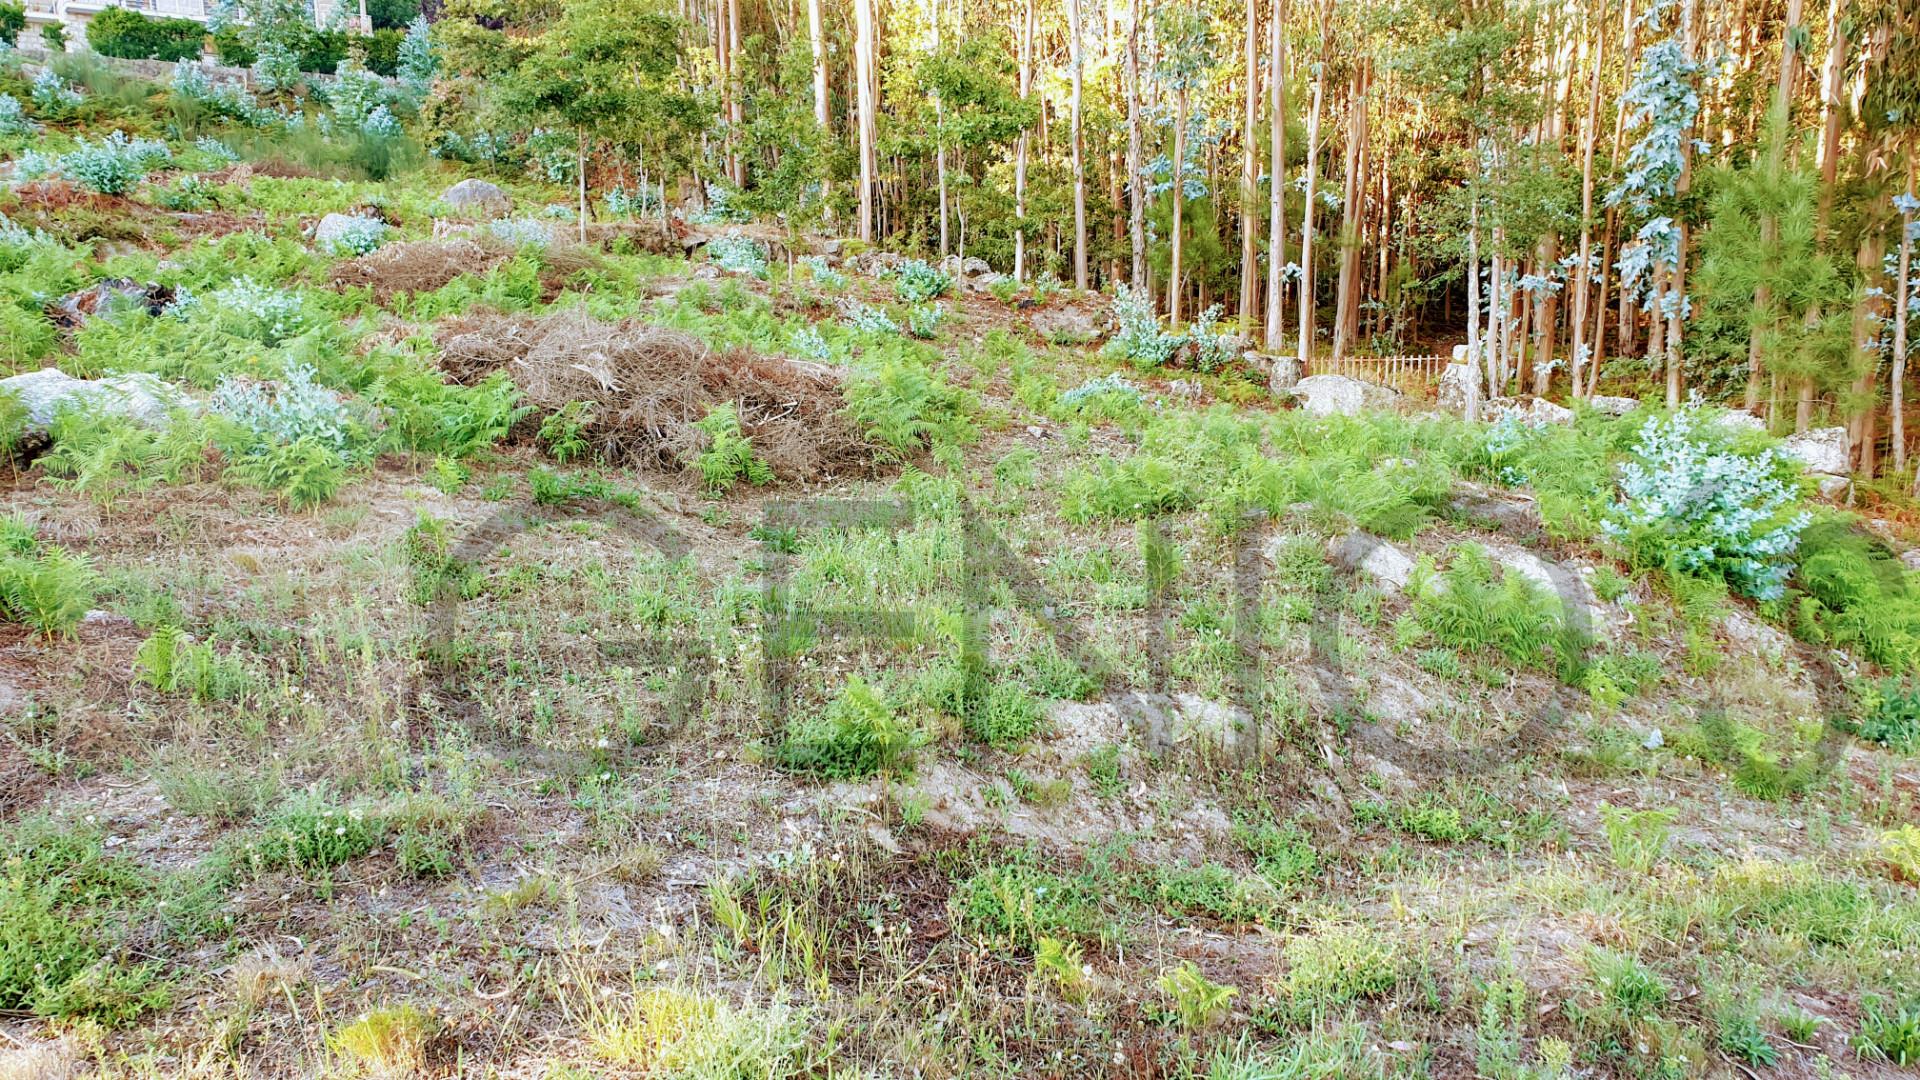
point(644, 389)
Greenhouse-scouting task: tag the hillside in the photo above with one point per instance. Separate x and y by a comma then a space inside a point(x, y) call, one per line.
point(439, 644)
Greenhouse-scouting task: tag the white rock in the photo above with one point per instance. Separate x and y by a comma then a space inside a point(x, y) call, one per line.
point(1374, 557)
point(1832, 488)
point(1453, 383)
point(1613, 406)
point(140, 396)
point(478, 198)
point(1337, 395)
point(1822, 450)
point(1542, 411)
point(1070, 325)
point(1283, 372)
point(1736, 420)
point(332, 228)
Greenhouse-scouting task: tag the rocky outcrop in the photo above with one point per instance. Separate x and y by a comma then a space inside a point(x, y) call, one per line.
point(1070, 325)
point(1337, 395)
point(477, 198)
point(140, 396)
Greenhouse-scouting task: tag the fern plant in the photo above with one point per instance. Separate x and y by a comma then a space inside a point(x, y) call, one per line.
point(729, 456)
point(303, 473)
point(49, 589)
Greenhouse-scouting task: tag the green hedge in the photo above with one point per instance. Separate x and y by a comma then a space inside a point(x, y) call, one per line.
point(132, 36)
point(320, 52)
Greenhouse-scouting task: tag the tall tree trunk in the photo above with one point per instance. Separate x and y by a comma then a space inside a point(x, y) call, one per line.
point(1136, 183)
point(1832, 110)
point(581, 170)
point(863, 76)
point(1250, 178)
point(1312, 193)
point(1902, 298)
point(1677, 307)
point(1474, 340)
point(1353, 197)
point(1020, 152)
point(1779, 120)
point(1179, 200)
point(1077, 56)
point(940, 139)
point(1583, 266)
point(817, 36)
point(736, 113)
point(1277, 181)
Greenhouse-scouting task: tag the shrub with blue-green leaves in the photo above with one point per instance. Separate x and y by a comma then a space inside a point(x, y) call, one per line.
point(113, 166)
point(51, 92)
point(297, 408)
point(867, 319)
point(359, 236)
point(916, 282)
point(1138, 338)
point(923, 320)
point(259, 312)
point(738, 254)
point(1692, 506)
point(521, 232)
point(13, 117)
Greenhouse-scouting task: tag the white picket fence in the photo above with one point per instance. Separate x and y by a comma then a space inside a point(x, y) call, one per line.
point(1407, 374)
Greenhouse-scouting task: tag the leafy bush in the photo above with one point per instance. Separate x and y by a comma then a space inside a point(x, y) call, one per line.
point(867, 319)
point(296, 408)
point(115, 165)
point(360, 236)
point(729, 456)
point(1691, 507)
point(1138, 338)
point(121, 32)
point(521, 232)
point(858, 735)
point(1889, 714)
point(823, 275)
point(304, 473)
point(13, 19)
point(252, 310)
point(917, 282)
point(923, 320)
point(52, 94)
point(1211, 350)
point(738, 254)
point(13, 117)
point(54, 944)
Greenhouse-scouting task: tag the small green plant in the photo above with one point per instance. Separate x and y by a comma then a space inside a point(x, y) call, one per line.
point(303, 474)
point(1021, 904)
point(1889, 714)
point(1198, 1002)
point(1007, 715)
point(386, 1042)
point(729, 457)
point(858, 735)
point(1058, 962)
point(47, 588)
point(310, 834)
point(1637, 838)
point(1742, 1038)
point(168, 661)
point(1004, 288)
point(1889, 1030)
point(1338, 964)
point(1621, 991)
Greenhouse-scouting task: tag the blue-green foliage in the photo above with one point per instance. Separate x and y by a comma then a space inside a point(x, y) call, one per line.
point(1691, 505)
